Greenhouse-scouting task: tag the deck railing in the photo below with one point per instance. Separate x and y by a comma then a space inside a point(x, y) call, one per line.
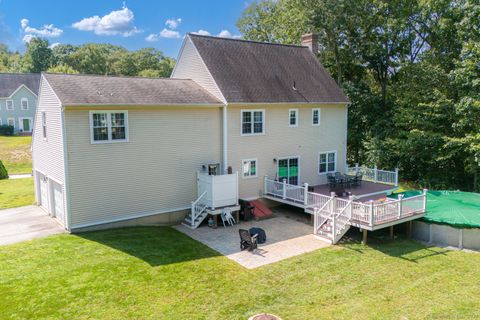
point(374, 174)
point(198, 206)
point(369, 214)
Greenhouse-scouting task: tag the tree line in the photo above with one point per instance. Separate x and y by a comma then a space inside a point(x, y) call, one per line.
point(91, 58)
point(411, 70)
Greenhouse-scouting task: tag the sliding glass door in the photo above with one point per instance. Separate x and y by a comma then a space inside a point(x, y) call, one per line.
point(288, 169)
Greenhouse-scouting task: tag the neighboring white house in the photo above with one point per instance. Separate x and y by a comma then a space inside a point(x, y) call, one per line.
point(18, 100)
point(115, 149)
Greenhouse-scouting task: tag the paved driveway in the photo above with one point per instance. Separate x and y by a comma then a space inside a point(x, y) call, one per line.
point(26, 223)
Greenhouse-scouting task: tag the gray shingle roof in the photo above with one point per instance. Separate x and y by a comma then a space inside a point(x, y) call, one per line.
point(102, 90)
point(9, 82)
point(256, 72)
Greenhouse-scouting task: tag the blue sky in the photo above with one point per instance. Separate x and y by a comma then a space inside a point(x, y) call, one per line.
point(133, 24)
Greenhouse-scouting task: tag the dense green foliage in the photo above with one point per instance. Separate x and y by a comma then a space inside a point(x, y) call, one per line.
point(103, 59)
point(411, 71)
point(159, 273)
point(3, 171)
point(6, 130)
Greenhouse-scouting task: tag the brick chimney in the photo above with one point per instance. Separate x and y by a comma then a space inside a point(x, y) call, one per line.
point(310, 40)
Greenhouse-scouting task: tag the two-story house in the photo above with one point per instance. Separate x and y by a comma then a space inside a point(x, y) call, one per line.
point(18, 100)
point(112, 150)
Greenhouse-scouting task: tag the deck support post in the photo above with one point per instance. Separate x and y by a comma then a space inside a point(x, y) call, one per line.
point(391, 233)
point(364, 237)
point(371, 213)
point(409, 229)
point(425, 200)
point(400, 205)
point(305, 194)
point(284, 193)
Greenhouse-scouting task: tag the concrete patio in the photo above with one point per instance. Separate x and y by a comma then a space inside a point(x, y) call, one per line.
point(288, 234)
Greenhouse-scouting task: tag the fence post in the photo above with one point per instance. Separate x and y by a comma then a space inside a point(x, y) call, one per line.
point(305, 194)
point(333, 229)
point(375, 174)
point(425, 200)
point(396, 177)
point(356, 169)
point(371, 212)
point(315, 217)
point(192, 215)
point(265, 185)
point(332, 205)
point(400, 204)
point(284, 193)
point(350, 210)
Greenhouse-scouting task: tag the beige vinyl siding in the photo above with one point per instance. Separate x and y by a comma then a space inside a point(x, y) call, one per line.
point(191, 66)
point(280, 140)
point(154, 172)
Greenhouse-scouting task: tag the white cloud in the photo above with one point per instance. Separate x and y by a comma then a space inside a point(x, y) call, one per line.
point(152, 37)
point(202, 32)
point(47, 31)
point(225, 34)
point(173, 23)
point(53, 45)
point(166, 33)
point(119, 22)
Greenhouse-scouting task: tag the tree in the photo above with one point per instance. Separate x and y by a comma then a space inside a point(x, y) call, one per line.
point(62, 68)
point(38, 56)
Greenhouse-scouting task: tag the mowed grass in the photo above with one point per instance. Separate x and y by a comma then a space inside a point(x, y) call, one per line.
point(159, 273)
point(15, 154)
point(16, 193)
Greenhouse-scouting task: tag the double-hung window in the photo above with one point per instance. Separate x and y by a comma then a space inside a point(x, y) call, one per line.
point(327, 162)
point(293, 117)
point(10, 105)
point(316, 117)
point(44, 125)
point(253, 122)
point(109, 126)
point(249, 168)
point(24, 103)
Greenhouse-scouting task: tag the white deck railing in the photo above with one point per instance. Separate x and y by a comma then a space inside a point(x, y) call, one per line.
point(198, 206)
point(374, 174)
point(368, 214)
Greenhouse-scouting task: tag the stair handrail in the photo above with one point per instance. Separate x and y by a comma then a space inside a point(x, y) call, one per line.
point(339, 226)
point(197, 207)
point(325, 219)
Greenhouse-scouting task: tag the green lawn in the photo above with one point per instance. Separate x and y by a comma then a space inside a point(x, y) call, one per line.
point(158, 273)
point(16, 193)
point(15, 154)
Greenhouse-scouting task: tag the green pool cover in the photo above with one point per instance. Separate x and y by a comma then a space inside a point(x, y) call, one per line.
point(455, 208)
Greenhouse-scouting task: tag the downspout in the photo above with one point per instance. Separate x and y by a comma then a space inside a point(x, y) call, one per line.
point(225, 139)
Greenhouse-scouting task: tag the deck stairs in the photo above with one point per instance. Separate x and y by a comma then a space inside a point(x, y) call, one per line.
point(198, 212)
point(332, 221)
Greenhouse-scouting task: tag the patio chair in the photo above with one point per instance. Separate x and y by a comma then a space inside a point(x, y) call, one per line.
point(227, 217)
point(357, 180)
point(247, 241)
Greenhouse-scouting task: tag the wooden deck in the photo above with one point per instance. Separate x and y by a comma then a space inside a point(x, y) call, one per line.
point(364, 193)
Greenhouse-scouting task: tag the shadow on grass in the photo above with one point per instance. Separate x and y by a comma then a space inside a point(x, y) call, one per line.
point(154, 245)
point(399, 247)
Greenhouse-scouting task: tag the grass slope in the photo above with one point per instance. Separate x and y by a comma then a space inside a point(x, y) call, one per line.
point(16, 193)
point(158, 273)
point(15, 154)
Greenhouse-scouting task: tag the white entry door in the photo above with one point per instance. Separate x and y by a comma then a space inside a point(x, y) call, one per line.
point(58, 202)
point(42, 183)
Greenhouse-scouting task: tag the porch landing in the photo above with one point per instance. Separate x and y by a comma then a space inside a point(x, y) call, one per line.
point(289, 234)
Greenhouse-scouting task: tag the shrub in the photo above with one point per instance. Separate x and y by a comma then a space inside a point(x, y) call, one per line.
point(6, 130)
point(3, 171)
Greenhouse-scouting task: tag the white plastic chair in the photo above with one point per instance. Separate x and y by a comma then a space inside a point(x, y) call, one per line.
point(227, 217)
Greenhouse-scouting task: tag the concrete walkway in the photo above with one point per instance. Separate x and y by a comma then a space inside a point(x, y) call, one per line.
point(288, 235)
point(20, 176)
point(26, 223)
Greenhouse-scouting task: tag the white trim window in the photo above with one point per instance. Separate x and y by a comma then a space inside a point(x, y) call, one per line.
point(316, 116)
point(10, 105)
point(252, 122)
point(327, 162)
point(293, 117)
point(249, 168)
point(44, 125)
point(24, 104)
point(108, 126)
point(11, 122)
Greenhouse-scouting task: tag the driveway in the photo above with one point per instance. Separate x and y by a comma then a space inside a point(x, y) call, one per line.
point(26, 223)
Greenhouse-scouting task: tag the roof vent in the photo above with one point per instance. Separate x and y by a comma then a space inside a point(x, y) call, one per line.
point(294, 87)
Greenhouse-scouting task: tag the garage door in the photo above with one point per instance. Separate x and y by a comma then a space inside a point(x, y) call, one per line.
point(58, 202)
point(42, 183)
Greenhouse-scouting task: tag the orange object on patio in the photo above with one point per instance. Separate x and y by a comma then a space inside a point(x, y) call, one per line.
point(260, 211)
